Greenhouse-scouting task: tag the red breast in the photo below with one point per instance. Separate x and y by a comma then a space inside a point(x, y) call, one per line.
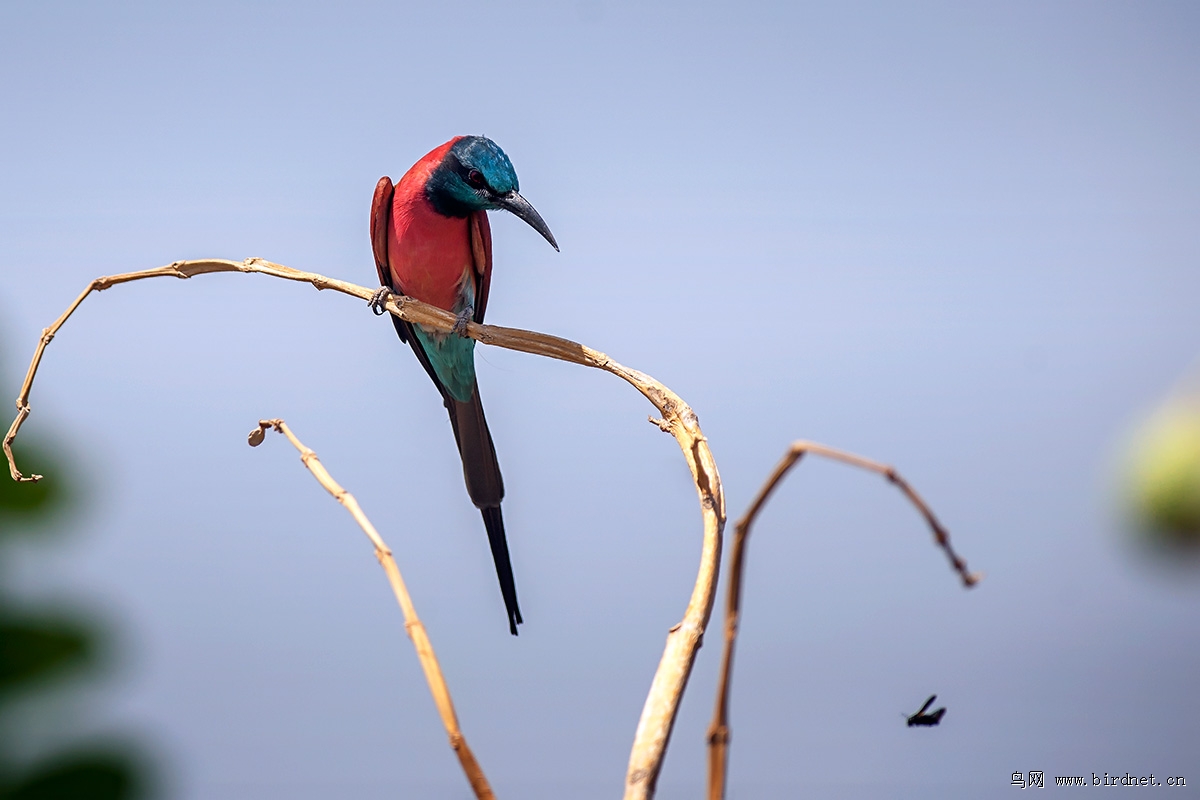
point(429, 254)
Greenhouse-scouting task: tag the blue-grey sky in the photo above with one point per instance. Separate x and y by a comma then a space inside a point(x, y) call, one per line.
point(959, 237)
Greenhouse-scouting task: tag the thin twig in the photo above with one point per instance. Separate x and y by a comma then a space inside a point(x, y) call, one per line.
point(718, 730)
point(412, 624)
point(678, 419)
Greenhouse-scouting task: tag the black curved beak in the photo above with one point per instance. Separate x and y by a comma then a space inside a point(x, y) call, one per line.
point(520, 206)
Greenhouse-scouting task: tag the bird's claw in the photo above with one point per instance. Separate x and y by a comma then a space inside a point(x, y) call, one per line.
point(378, 301)
point(460, 322)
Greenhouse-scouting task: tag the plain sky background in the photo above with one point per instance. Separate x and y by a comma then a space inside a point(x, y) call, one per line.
point(963, 238)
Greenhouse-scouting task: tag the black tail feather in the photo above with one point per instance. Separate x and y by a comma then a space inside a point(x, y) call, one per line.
point(481, 470)
point(494, 523)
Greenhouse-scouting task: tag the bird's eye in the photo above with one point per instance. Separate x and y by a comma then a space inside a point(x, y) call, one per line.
point(475, 178)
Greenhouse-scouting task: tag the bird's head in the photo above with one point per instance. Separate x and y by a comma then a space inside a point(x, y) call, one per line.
point(476, 175)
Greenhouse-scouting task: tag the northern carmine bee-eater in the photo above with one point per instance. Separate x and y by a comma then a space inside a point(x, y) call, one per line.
point(431, 240)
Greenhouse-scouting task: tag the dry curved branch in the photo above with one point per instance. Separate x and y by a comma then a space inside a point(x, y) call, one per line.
point(412, 624)
point(678, 419)
point(718, 730)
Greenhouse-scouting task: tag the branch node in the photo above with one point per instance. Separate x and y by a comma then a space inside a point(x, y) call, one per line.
point(307, 457)
point(661, 424)
point(718, 735)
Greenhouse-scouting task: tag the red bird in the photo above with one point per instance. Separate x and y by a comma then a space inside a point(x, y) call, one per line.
point(432, 242)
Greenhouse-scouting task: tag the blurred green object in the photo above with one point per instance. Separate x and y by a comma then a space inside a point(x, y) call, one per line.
point(25, 505)
point(77, 776)
point(1164, 476)
point(37, 649)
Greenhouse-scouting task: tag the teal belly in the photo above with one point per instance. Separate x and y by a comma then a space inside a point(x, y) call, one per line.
point(453, 359)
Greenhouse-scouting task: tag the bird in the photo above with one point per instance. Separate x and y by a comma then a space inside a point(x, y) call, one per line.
point(922, 719)
point(431, 241)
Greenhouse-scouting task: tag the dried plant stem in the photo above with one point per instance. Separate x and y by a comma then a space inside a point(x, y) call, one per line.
point(678, 419)
point(412, 624)
point(718, 730)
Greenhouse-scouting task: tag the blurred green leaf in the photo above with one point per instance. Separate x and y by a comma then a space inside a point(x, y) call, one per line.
point(27, 503)
point(81, 776)
point(34, 650)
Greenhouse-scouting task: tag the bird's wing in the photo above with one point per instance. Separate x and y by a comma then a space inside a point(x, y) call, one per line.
point(381, 218)
point(481, 251)
point(381, 212)
point(928, 703)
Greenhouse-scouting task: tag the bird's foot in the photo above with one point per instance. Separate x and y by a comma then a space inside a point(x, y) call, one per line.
point(378, 301)
point(460, 322)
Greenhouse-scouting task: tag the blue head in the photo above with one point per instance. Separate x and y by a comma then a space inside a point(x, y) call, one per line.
point(476, 175)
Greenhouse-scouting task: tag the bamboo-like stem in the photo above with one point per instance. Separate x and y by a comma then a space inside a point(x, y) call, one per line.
point(412, 623)
point(683, 639)
point(718, 730)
